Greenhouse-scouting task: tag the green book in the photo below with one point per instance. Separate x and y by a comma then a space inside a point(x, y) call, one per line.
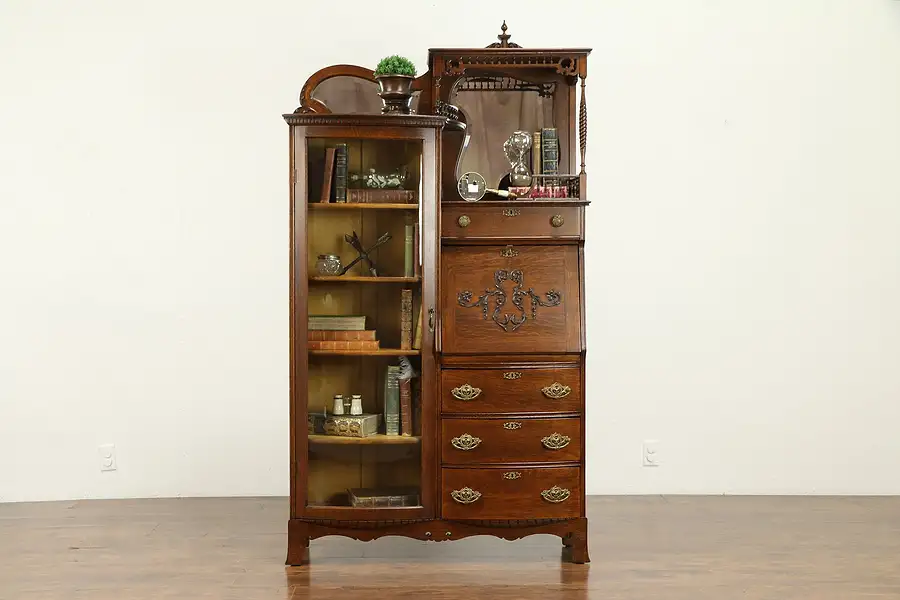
point(392, 401)
point(409, 268)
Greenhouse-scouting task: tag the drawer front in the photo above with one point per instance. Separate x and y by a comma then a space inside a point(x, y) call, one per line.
point(510, 299)
point(472, 441)
point(517, 222)
point(511, 493)
point(512, 390)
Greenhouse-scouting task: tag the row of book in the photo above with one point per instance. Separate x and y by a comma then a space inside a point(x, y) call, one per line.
point(398, 401)
point(348, 332)
point(335, 183)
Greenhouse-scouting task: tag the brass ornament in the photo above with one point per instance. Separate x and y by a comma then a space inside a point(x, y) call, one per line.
point(465, 392)
point(557, 220)
point(556, 441)
point(463, 221)
point(556, 494)
point(512, 425)
point(512, 475)
point(466, 495)
point(556, 390)
point(512, 375)
point(511, 212)
point(509, 321)
point(466, 442)
point(509, 252)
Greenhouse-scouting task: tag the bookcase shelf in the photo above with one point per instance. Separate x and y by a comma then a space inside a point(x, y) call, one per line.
point(361, 279)
point(380, 352)
point(361, 206)
point(379, 438)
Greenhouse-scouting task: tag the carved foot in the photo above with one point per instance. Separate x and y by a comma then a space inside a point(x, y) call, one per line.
point(298, 543)
point(577, 543)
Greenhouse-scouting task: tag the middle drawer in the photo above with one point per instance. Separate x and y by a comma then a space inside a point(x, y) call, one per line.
point(473, 441)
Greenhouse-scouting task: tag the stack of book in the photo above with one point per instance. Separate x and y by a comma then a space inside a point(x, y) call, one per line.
point(340, 333)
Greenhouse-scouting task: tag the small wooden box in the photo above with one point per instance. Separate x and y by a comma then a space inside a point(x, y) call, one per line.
point(352, 425)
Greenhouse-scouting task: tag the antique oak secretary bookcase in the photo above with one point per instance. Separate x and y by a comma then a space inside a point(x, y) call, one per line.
point(454, 326)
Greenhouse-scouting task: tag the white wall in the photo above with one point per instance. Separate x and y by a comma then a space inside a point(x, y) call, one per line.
point(744, 262)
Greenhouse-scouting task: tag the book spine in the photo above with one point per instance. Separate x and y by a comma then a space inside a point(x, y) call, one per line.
point(344, 345)
point(549, 151)
point(325, 197)
point(417, 252)
point(392, 401)
point(406, 303)
point(374, 196)
point(339, 335)
point(536, 153)
point(340, 173)
point(417, 340)
point(409, 269)
point(405, 407)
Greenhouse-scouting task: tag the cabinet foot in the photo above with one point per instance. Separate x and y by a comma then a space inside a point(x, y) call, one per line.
point(576, 543)
point(298, 543)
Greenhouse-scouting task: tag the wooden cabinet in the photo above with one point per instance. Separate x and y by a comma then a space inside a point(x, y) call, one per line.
point(467, 315)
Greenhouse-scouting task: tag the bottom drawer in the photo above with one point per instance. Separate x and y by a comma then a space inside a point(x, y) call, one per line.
point(511, 493)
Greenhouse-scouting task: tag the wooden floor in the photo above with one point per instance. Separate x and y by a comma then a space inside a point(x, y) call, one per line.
point(648, 548)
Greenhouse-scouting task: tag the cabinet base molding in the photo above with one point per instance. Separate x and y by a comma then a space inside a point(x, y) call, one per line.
point(573, 532)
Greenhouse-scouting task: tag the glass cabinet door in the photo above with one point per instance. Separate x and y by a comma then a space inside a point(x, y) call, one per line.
point(367, 345)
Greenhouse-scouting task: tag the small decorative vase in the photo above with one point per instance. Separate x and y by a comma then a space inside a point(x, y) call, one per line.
point(329, 264)
point(516, 147)
point(356, 404)
point(395, 92)
point(338, 407)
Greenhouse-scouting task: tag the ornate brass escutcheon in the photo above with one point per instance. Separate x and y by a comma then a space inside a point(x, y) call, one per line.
point(463, 221)
point(512, 425)
point(465, 442)
point(465, 392)
point(466, 495)
point(512, 375)
point(556, 390)
point(556, 441)
point(557, 220)
point(556, 494)
point(512, 475)
point(509, 252)
point(511, 212)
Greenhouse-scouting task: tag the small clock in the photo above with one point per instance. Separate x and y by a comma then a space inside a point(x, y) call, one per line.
point(471, 187)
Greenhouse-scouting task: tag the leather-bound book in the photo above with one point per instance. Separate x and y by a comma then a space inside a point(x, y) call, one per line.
point(406, 421)
point(406, 307)
point(340, 173)
point(329, 174)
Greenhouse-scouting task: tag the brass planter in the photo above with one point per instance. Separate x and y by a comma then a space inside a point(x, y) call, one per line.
point(395, 92)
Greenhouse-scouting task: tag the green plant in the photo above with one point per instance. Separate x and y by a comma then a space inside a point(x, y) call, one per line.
point(395, 65)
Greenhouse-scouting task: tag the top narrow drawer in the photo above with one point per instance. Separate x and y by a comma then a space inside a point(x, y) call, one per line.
point(513, 221)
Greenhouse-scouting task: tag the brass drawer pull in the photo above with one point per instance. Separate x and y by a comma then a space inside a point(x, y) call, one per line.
point(467, 495)
point(557, 220)
point(512, 425)
point(512, 375)
point(465, 392)
point(466, 442)
point(463, 221)
point(556, 494)
point(556, 390)
point(556, 441)
point(512, 475)
point(511, 212)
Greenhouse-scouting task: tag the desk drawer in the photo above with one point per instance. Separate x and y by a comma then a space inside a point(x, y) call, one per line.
point(511, 493)
point(511, 390)
point(471, 441)
point(511, 222)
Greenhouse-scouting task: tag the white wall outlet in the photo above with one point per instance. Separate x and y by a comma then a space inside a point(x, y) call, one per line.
point(651, 453)
point(107, 457)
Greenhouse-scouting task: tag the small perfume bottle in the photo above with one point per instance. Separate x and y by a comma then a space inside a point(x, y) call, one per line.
point(338, 407)
point(356, 404)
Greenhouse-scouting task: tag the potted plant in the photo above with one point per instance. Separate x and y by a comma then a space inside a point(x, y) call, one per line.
point(395, 75)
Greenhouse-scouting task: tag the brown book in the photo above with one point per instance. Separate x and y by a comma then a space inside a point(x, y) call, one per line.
point(417, 341)
point(329, 173)
point(417, 259)
point(406, 407)
point(338, 336)
point(406, 320)
point(344, 345)
point(375, 196)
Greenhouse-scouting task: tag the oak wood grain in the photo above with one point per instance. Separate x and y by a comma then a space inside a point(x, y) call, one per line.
point(511, 389)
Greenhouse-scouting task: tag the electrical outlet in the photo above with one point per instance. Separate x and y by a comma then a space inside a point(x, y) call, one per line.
point(651, 453)
point(107, 457)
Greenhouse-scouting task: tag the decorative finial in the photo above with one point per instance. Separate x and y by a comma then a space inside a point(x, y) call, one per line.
point(504, 37)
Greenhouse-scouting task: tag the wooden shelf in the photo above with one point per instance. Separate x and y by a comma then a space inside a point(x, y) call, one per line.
point(361, 279)
point(363, 206)
point(378, 438)
point(380, 352)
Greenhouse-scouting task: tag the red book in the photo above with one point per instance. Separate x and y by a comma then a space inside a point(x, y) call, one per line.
point(406, 407)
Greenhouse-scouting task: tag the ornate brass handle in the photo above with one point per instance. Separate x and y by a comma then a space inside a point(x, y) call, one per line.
point(557, 220)
point(465, 392)
point(463, 221)
point(556, 390)
point(512, 425)
point(466, 442)
point(556, 494)
point(467, 495)
point(512, 475)
point(556, 441)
